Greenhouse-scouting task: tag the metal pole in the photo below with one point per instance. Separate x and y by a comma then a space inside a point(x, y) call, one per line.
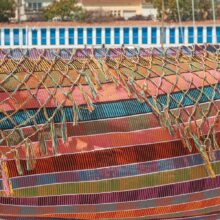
point(214, 21)
point(162, 35)
point(193, 13)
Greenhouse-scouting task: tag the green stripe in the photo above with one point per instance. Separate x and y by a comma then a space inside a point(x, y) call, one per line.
point(119, 184)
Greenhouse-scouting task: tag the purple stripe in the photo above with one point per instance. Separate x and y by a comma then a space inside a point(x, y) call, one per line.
point(142, 194)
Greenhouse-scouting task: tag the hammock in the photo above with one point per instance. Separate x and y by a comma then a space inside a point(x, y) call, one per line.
point(109, 133)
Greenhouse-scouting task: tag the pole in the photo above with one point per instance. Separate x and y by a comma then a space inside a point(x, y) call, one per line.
point(193, 13)
point(162, 35)
point(214, 21)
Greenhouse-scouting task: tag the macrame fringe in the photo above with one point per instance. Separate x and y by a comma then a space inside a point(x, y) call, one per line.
point(30, 156)
point(42, 141)
point(54, 138)
point(76, 114)
point(87, 98)
point(6, 182)
point(63, 126)
point(18, 162)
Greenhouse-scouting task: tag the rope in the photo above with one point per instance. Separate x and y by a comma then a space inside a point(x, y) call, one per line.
point(188, 72)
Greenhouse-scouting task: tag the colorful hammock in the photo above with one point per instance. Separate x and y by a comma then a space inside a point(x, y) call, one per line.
point(110, 133)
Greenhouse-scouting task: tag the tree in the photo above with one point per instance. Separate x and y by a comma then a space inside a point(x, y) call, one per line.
point(202, 9)
point(7, 10)
point(64, 10)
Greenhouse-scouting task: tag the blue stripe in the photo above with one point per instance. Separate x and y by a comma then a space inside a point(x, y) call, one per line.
point(109, 110)
point(110, 172)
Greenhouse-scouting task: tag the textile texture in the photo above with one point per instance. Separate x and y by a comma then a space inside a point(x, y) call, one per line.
point(110, 133)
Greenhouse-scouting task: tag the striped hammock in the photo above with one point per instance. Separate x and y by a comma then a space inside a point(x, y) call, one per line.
point(110, 133)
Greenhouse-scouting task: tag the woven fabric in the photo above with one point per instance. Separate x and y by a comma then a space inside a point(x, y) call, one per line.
point(110, 133)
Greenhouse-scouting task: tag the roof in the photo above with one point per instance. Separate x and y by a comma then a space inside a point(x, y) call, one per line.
point(110, 2)
point(104, 24)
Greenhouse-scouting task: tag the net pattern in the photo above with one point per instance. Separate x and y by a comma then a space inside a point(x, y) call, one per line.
point(65, 70)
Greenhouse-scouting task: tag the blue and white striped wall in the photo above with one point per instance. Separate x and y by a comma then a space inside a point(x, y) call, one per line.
point(53, 37)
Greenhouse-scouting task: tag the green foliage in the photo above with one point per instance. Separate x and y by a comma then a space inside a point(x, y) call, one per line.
point(7, 10)
point(64, 10)
point(203, 9)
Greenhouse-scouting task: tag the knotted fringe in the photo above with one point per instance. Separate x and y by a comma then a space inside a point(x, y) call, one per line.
point(18, 162)
point(87, 98)
point(54, 138)
point(30, 156)
point(6, 182)
point(76, 114)
point(63, 126)
point(42, 141)
point(91, 86)
point(202, 149)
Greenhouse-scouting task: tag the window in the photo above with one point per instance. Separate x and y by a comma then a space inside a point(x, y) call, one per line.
point(39, 5)
point(153, 35)
point(117, 35)
point(108, 35)
point(24, 37)
point(62, 36)
point(53, 36)
point(172, 35)
point(181, 35)
point(44, 36)
point(98, 35)
point(163, 35)
point(89, 35)
point(200, 35)
point(190, 35)
point(209, 34)
point(71, 36)
point(135, 36)
point(144, 35)
point(34, 37)
point(80, 35)
point(126, 36)
point(218, 34)
point(7, 37)
point(36, 6)
point(16, 36)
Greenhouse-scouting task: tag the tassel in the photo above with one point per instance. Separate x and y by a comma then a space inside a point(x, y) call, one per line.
point(88, 100)
point(54, 138)
point(90, 105)
point(18, 162)
point(33, 158)
point(43, 146)
point(6, 182)
point(205, 157)
point(76, 114)
point(91, 86)
point(27, 151)
point(168, 123)
point(184, 139)
point(30, 156)
point(63, 126)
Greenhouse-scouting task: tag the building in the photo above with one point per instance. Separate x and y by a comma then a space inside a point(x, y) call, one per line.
point(120, 8)
point(111, 34)
point(30, 9)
